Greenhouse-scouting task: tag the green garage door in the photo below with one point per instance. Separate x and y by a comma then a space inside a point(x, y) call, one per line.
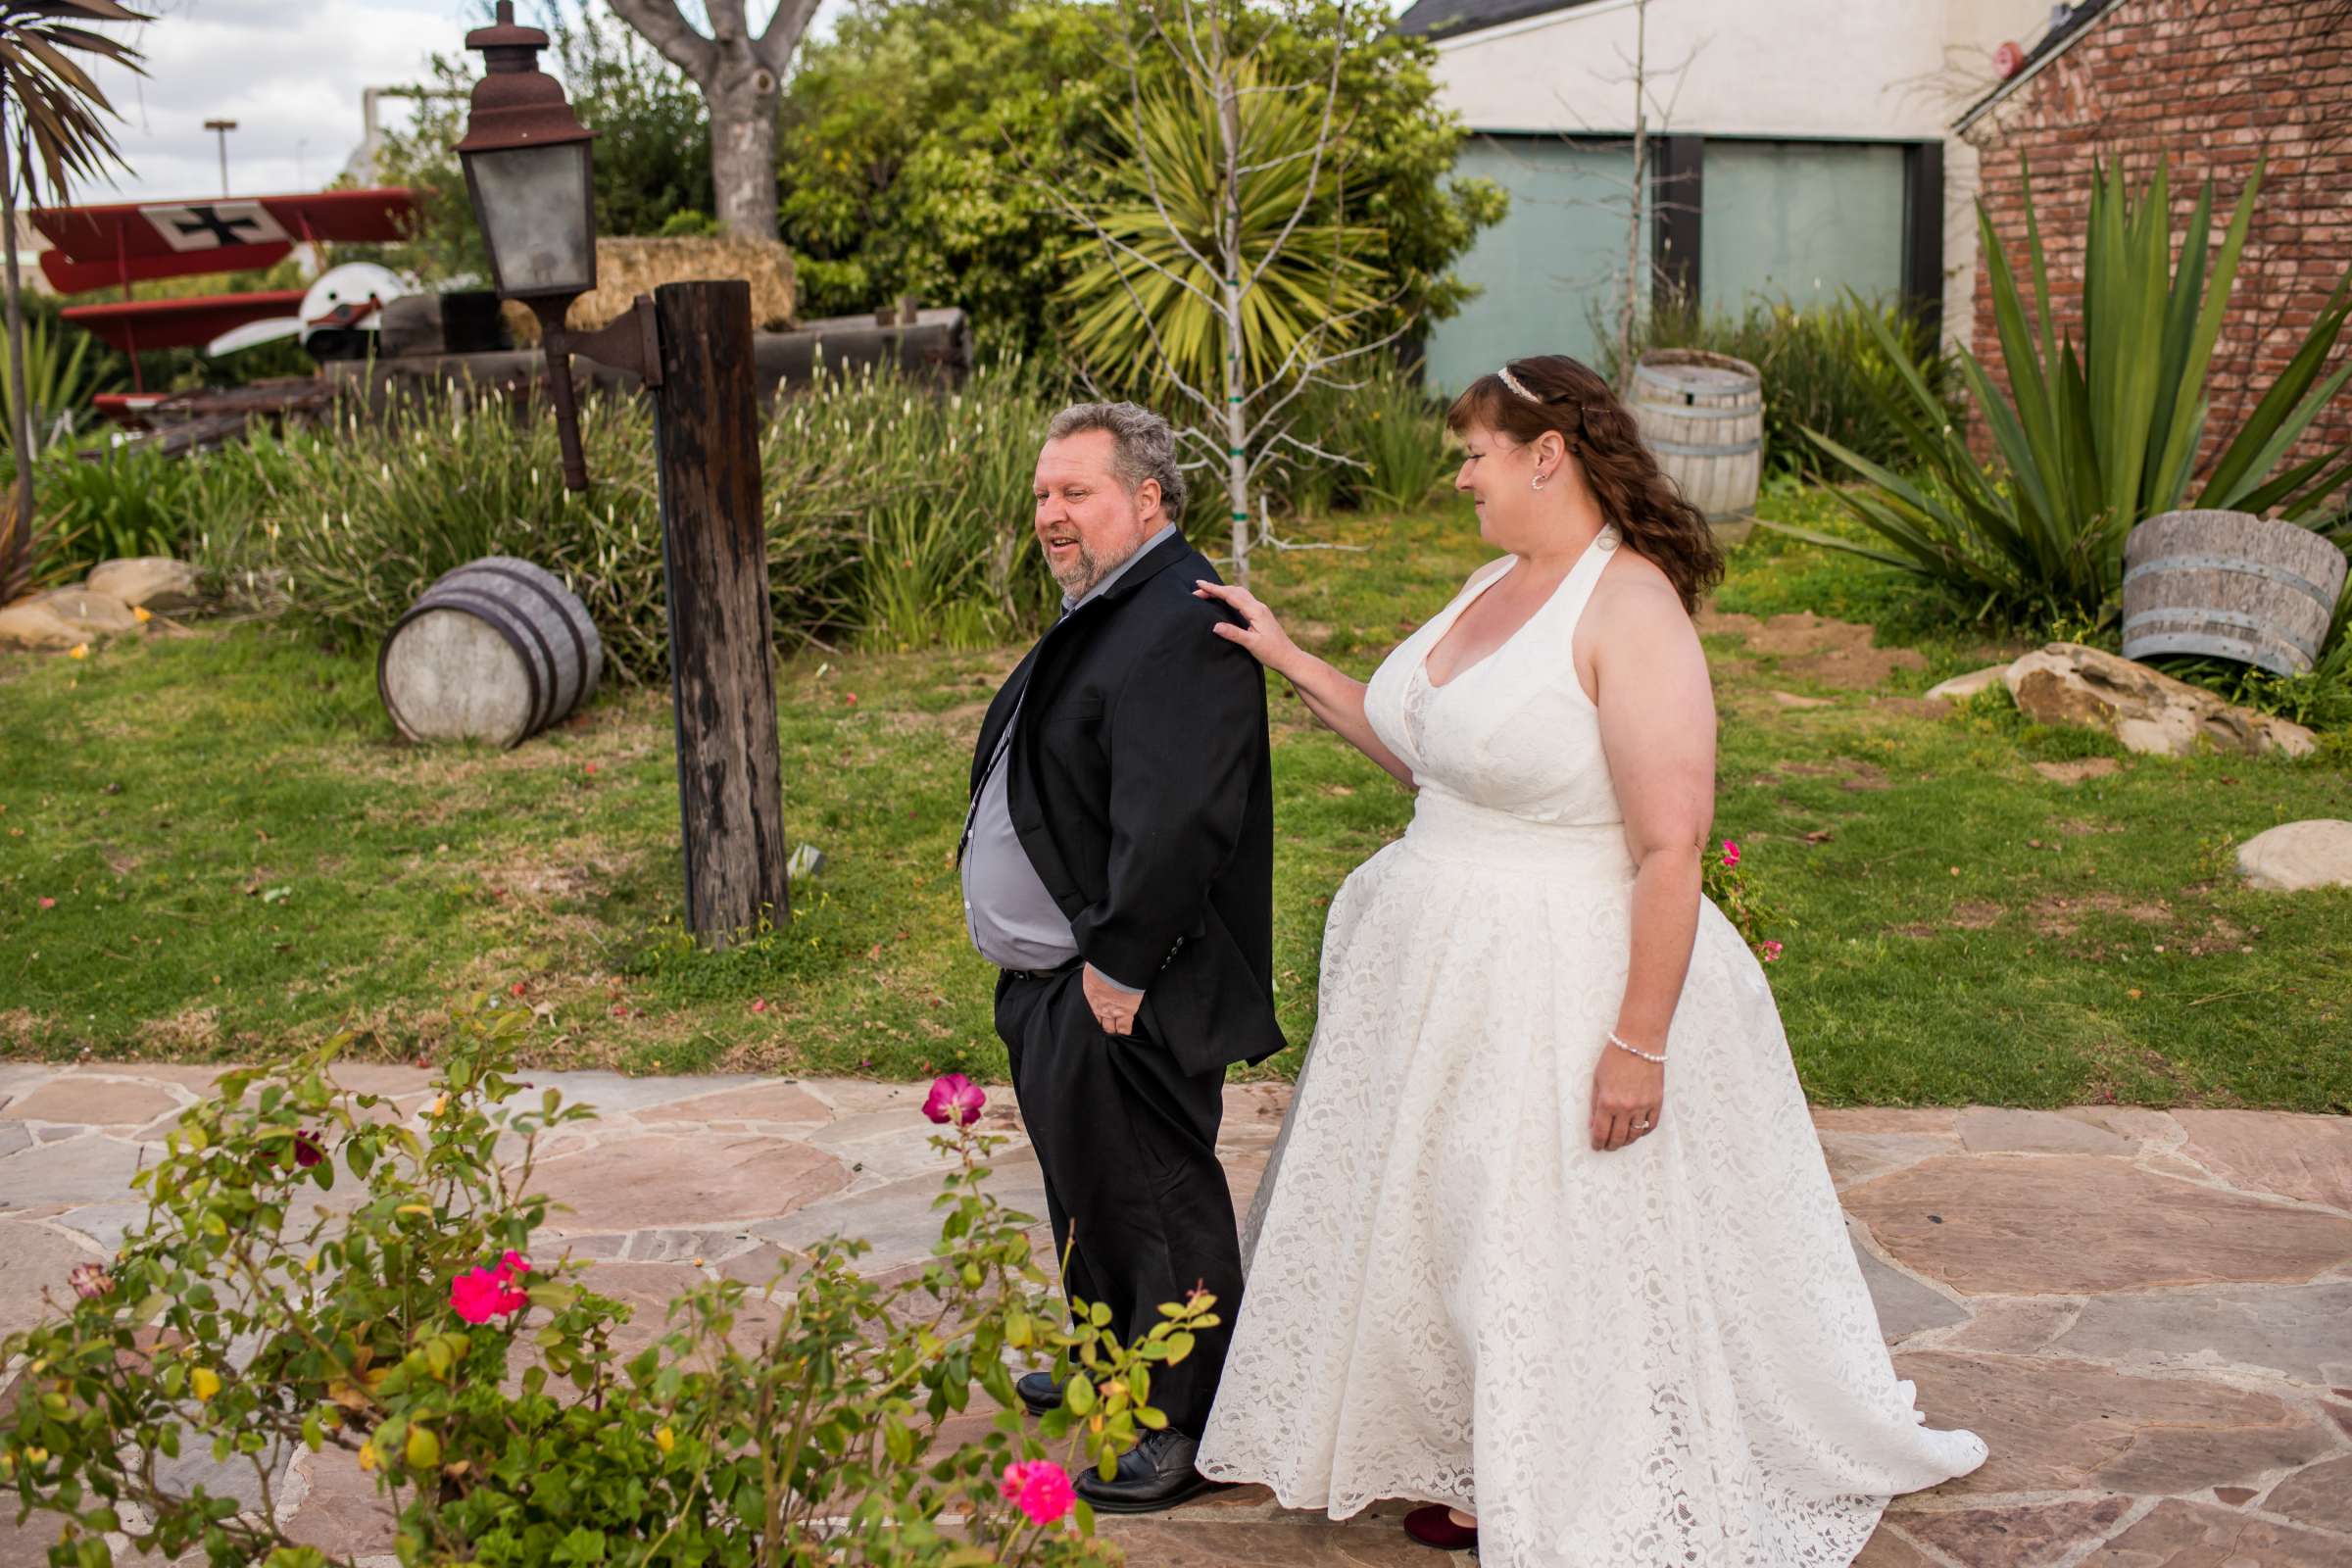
point(1557, 257)
point(1799, 220)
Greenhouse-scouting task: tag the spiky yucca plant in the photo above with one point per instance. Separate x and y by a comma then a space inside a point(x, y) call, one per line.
point(1169, 167)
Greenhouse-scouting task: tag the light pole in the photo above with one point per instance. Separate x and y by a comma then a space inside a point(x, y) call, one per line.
point(223, 126)
point(529, 173)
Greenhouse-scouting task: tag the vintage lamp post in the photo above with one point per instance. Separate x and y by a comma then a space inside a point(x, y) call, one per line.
point(529, 165)
point(527, 171)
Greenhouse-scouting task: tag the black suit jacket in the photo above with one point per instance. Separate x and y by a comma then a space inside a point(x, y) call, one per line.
point(1140, 783)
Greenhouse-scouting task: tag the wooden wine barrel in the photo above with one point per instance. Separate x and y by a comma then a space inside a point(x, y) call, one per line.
point(1702, 414)
point(2229, 584)
point(495, 651)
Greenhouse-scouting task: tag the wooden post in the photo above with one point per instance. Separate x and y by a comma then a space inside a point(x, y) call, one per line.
point(714, 562)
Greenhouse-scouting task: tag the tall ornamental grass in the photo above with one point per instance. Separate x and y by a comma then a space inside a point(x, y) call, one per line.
point(896, 516)
point(2097, 435)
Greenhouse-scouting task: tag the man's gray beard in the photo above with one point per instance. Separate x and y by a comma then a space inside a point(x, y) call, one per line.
point(1084, 574)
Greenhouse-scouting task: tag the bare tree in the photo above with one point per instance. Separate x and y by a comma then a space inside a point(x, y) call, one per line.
point(740, 73)
point(1246, 248)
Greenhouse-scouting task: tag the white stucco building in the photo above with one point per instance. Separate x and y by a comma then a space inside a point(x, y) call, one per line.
point(1804, 147)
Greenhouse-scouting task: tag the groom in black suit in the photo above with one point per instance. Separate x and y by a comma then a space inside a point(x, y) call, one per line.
point(1118, 868)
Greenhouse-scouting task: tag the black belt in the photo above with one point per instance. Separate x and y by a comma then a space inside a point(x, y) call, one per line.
point(1045, 974)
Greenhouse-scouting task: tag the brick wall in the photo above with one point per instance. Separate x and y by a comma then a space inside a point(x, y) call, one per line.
point(2212, 84)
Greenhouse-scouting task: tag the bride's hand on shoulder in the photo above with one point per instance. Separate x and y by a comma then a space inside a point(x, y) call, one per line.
point(1260, 634)
point(1629, 1099)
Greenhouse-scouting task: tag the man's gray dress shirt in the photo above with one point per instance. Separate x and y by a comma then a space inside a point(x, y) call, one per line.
point(1013, 921)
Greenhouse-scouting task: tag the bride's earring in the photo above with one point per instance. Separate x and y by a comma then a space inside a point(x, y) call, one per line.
point(1538, 484)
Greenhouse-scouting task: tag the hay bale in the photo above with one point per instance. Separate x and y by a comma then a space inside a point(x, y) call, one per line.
point(630, 266)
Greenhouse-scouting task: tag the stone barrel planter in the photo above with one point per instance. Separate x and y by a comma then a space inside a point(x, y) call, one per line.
point(2230, 585)
point(1702, 414)
point(496, 651)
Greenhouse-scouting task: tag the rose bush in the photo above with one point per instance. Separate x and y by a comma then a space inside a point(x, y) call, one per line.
point(411, 1323)
point(1732, 889)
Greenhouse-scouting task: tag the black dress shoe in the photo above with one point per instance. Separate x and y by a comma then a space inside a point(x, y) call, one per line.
point(1156, 1473)
point(1039, 1391)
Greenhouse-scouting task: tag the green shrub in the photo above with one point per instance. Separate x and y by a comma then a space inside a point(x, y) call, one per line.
point(2092, 438)
point(413, 1326)
point(1824, 368)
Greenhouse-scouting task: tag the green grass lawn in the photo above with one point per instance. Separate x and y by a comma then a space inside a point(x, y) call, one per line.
point(242, 858)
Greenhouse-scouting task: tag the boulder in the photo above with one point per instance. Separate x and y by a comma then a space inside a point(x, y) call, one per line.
point(1960, 688)
point(92, 615)
point(2295, 856)
point(2066, 683)
point(156, 583)
point(34, 623)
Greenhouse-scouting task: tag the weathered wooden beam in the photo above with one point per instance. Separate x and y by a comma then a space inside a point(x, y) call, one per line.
point(722, 634)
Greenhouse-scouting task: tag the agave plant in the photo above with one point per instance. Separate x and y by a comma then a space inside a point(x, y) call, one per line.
point(1323, 268)
point(2091, 440)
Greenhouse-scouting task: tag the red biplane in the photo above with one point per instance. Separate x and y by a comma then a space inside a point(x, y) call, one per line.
point(116, 244)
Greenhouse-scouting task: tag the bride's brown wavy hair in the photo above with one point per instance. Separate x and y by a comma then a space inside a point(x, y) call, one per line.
point(1648, 508)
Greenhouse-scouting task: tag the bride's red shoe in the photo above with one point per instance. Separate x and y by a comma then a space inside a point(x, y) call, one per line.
point(1434, 1525)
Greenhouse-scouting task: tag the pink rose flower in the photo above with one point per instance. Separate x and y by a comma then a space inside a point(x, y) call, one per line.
point(954, 1098)
point(1040, 1489)
point(1770, 950)
point(1731, 853)
point(307, 1149)
point(89, 1280)
point(481, 1293)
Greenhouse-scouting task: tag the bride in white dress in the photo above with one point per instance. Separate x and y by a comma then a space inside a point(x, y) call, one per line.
point(1549, 1238)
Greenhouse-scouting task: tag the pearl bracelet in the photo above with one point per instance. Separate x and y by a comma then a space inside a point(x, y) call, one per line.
point(1659, 1058)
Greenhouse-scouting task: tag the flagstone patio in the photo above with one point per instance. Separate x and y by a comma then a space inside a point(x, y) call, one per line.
point(2148, 1315)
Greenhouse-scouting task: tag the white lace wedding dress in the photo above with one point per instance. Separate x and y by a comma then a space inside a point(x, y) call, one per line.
point(1661, 1356)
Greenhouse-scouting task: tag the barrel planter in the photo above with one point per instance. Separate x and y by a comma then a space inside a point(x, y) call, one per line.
point(2231, 585)
point(1702, 414)
point(496, 651)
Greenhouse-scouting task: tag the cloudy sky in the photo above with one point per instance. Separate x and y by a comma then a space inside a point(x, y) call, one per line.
point(288, 72)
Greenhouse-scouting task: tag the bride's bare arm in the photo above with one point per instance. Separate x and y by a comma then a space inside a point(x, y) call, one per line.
point(1657, 728)
point(1332, 697)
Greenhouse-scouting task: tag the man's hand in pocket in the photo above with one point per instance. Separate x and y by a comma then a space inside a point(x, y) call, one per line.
point(1114, 1004)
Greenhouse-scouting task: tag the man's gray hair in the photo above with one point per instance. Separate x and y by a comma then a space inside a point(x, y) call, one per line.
point(1144, 447)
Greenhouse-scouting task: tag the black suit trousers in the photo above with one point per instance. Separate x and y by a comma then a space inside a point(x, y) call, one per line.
point(1127, 1141)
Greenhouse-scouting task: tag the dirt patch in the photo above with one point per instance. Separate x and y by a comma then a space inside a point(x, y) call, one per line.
point(2221, 937)
point(535, 877)
point(2076, 827)
point(1849, 772)
point(21, 1028)
point(1976, 915)
point(2076, 772)
point(192, 1029)
point(2056, 916)
point(1913, 707)
point(1791, 700)
point(1810, 647)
